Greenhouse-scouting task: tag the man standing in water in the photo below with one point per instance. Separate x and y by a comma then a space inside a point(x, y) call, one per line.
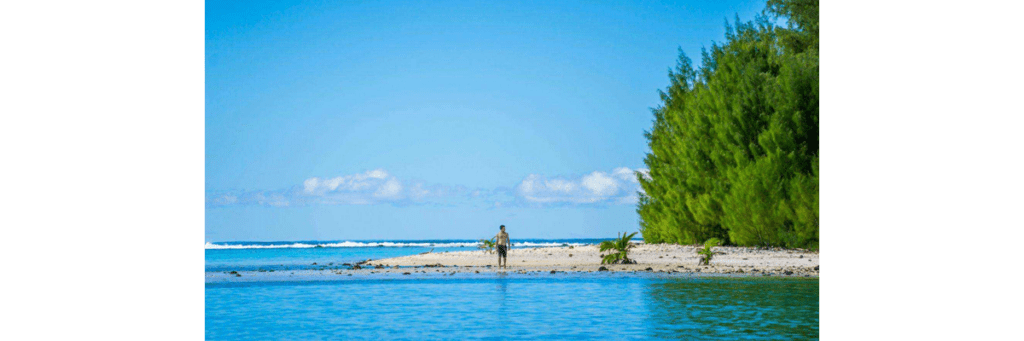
point(502, 244)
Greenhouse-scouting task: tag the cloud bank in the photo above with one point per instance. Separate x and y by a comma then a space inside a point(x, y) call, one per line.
point(367, 188)
point(376, 186)
point(620, 186)
point(380, 187)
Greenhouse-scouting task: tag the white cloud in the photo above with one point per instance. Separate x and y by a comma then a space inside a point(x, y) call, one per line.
point(417, 191)
point(618, 187)
point(227, 199)
point(389, 190)
point(311, 185)
point(626, 174)
point(379, 187)
point(264, 198)
point(600, 184)
point(276, 200)
point(371, 187)
point(348, 183)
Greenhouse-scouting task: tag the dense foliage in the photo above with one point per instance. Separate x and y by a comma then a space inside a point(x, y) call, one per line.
point(734, 146)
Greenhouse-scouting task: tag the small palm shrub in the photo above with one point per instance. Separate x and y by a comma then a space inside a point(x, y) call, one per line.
point(487, 245)
point(706, 253)
point(620, 249)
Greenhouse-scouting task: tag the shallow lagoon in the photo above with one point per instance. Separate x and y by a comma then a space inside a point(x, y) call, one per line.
point(491, 307)
point(612, 306)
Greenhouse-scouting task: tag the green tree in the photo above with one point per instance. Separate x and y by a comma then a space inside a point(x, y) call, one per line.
point(734, 145)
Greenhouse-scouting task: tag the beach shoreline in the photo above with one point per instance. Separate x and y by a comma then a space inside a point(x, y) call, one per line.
point(651, 259)
point(668, 258)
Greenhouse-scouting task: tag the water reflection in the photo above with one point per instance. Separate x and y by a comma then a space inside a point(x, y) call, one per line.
point(732, 308)
point(502, 280)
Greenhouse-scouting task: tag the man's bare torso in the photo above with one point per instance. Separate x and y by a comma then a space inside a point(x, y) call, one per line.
point(502, 238)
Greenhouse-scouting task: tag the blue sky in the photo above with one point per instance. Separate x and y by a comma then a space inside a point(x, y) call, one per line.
point(434, 119)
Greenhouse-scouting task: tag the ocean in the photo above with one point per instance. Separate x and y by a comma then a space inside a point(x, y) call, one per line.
point(614, 306)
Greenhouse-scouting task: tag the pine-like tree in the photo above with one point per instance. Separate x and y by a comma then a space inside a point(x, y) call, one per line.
point(734, 145)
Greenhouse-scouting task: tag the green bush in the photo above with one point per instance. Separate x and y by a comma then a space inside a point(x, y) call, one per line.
point(706, 253)
point(487, 245)
point(620, 249)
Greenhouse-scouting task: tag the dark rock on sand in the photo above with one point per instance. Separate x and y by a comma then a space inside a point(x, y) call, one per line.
point(602, 269)
point(648, 269)
point(405, 273)
point(816, 267)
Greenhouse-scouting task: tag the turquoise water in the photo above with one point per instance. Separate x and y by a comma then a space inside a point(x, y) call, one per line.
point(494, 306)
point(300, 255)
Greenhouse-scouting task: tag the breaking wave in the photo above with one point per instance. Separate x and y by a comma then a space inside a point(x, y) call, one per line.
point(306, 245)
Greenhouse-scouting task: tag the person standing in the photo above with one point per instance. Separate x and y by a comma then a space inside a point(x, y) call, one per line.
point(503, 245)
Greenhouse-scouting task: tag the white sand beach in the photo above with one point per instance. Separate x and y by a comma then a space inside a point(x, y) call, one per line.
point(649, 257)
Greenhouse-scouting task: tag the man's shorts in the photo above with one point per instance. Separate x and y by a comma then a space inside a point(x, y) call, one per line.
point(502, 251)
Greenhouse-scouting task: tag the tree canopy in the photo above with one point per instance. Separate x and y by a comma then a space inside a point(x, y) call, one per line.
point(734, 144)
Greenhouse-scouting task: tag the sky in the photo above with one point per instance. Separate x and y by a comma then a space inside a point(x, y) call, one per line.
point(434, 119)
